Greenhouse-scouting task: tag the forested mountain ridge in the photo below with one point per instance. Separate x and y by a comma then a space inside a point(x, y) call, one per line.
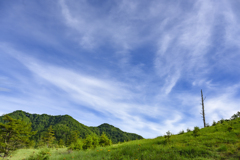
point(115, 134)
point(64, 125)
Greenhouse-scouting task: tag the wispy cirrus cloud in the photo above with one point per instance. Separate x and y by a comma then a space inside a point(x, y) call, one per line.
point(183, 46)
point(68, 90)
point(139, 65)
point(94, 30)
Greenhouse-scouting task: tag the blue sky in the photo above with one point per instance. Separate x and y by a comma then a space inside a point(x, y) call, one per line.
point(136, 64)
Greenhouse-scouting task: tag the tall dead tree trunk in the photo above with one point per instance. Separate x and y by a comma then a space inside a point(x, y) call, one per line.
point(203, 111)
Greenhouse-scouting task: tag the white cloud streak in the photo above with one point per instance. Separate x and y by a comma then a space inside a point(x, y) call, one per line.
point(90, 28)
point(184, 48)
point(113, 99)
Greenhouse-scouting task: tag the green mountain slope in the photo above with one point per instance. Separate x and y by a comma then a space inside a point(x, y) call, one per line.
point(115, 134)
point(63, 125)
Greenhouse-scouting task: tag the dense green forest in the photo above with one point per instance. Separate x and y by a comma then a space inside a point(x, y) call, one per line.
point(64, 127)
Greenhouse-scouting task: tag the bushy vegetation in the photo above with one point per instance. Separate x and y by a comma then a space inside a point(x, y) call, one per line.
point(78, 145)
point(92, 141)
point(43, 154)
point(196, 131)
point(14, 134)
point(220, 141)
point(167, 136)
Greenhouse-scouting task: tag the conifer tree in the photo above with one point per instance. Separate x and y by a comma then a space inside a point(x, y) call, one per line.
point(60, 143)
point(73, 137)
point(41, 142)
point(49, 137)
point(168, 136)
point(14, 134)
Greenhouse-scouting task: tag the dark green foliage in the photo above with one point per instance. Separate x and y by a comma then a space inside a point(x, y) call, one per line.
point(188, 130)
point(64, 125)
point(14, 134)
point(196, 132)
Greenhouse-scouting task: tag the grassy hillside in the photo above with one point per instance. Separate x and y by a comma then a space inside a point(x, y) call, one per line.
point(63, 125)
point(221, 141)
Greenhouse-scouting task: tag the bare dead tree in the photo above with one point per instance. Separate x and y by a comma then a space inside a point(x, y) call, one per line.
point(203, 111)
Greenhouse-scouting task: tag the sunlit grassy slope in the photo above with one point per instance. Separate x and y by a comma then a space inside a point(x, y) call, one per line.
point(221, 141)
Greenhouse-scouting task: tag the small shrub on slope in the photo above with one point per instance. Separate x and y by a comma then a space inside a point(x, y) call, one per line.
point(168, 136)
point(181, 132)
point(196, 132)
point(214, 123)
point(188, 130)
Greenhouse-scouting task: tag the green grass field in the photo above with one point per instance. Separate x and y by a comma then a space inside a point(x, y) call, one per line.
point(221, 141)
